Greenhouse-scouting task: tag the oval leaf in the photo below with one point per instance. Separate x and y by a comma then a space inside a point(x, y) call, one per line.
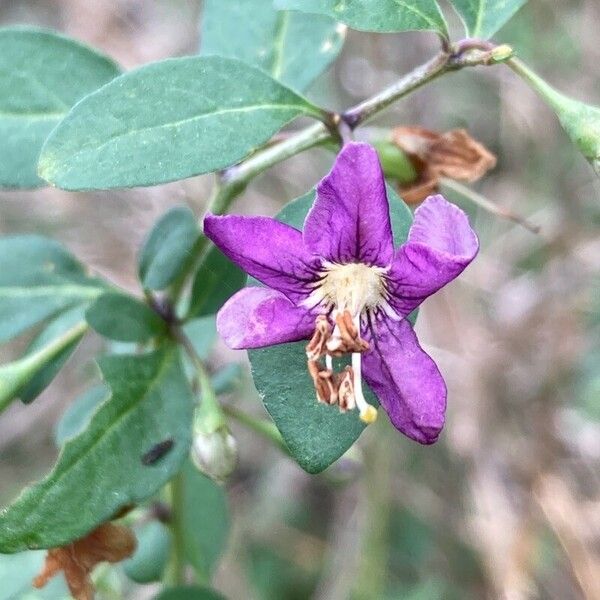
point(483, 18)
point(166, 121)
point(101, 471)
point(151, 555)
point(124, 319)
point(38, 279)
point(316, 434)
point(293, 48)
point(42, 75)
point(168, 248)
point(376, 15)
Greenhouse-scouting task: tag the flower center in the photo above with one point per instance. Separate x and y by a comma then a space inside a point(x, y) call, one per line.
point(354, 287)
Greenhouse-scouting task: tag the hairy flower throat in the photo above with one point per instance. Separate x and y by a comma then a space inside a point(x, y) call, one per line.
point(354, 287)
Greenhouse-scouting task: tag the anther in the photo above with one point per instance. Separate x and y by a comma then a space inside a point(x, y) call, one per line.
point(345, 338)
point(346, 390)
point(316, 347)
point(324, 382)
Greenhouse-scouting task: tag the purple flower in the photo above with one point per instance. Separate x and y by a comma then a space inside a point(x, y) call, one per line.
point(341, 285)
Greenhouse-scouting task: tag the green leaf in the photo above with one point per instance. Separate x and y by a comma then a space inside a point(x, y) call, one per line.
point(166, 121)
point(189, 593)
point(204, 520)
point(101, 471)
point(59, 326)
point(293, 48)
point(15, 375)
point(168, 248)
point(316, 434)
point(124, 319)
point(151, 555)
point(483, 18)
point(38, 279)
point(77, 417)
point(376, 15)
point(17, 572)
point(42, 75)
point(215, 282)
point(580, 121)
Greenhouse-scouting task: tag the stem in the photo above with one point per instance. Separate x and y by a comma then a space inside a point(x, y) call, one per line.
point(371, 577)
point(175, 573)
point(210, 416)
point(543, 88)
point(488, 205)
point(235, 179)
point(420, 76)
point(264, 428)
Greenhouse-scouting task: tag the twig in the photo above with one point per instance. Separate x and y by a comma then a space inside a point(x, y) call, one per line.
point(488, 205)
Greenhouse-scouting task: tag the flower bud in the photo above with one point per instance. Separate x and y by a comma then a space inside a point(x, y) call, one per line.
point(215, 454)
point(395, 163)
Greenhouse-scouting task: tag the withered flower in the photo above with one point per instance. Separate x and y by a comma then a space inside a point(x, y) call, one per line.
point(454, 154)
point(108, 543)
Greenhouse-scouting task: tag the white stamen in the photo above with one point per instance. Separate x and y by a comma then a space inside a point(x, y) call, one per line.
point(329, 362)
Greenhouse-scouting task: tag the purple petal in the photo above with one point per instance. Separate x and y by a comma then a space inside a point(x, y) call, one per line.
point(256, 317)
point(271, 251)
point(350, 219)
point(440, 245)
point(405, 379)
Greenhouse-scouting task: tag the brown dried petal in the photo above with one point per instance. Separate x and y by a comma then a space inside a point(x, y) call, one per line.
point(108, 543)
point(454, 154)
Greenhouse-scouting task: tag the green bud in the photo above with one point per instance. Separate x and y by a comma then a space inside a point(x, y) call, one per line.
point(215, 454)
point(395, 163)
point(580, 121)
point(149, 560)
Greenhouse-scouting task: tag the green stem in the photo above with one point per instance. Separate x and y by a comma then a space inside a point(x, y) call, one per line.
point(175, 572)
point(371, 577)
point(544, 89)
point(209, 416)
point(235, 179)
point(488, 205)
point(264, 428)
point(423, 74)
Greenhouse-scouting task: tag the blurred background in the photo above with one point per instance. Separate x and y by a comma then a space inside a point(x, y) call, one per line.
point(507, 504)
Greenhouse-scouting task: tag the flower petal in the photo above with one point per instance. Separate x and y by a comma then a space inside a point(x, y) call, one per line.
point(271, 251)
point(405, 379)
point(256, 317)
point(440, 245)
point(350, 219)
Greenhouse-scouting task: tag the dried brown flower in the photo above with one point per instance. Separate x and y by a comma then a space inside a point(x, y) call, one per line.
point(108, 543)
point(454, 154)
